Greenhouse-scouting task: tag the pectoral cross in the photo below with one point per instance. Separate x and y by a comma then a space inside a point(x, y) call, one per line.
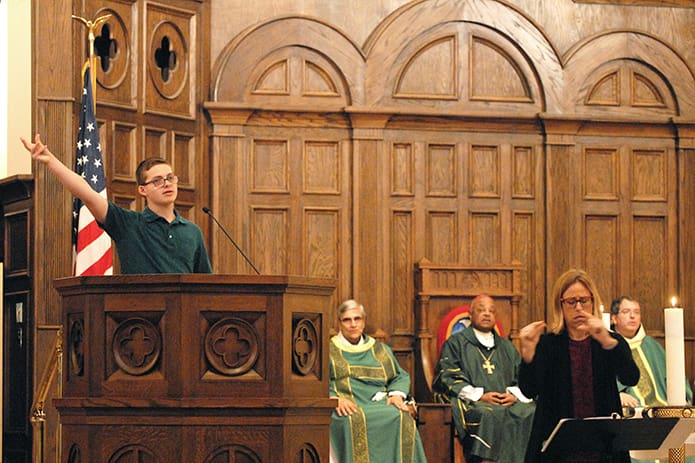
point(488, 366)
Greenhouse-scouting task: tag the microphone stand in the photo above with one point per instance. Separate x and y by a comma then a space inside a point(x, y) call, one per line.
point(209, 212)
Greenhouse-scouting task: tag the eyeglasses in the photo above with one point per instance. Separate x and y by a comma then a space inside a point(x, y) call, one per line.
point(158, 182)
point(573, 301)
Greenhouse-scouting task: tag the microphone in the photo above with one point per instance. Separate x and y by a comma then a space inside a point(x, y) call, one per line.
point(209, 212)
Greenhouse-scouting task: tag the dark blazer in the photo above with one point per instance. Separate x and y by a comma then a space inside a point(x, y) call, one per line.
point(548, 380)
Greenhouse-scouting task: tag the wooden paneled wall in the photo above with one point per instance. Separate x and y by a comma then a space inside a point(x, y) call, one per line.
point(458, 133)
point(153, 74)
point(351, 141)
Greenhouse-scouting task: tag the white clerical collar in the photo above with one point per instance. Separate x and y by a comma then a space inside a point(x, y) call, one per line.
point(636, 340)
point(486, 339)
point(345, 341)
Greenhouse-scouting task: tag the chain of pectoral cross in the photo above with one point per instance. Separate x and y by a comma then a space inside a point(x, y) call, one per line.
point(487, 366)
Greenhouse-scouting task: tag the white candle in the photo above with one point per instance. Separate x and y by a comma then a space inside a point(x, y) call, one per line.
point(675, 354)
point(606, 317)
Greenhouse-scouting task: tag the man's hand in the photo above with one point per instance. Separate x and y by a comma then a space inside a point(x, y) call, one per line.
point(346, 407)
point(498, 398)
point(507, 399)
point(39, 151)
point(626, 400)
point(97, 204)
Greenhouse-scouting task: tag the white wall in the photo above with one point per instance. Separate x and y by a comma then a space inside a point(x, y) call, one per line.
point(15, 105)
point(2, 343)
point(15, 85)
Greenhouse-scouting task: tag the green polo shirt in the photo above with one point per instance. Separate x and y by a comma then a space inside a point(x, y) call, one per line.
point(147, 243)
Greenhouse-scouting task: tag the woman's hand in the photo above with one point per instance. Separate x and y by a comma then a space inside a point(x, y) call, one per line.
point(595, 328)
point(528, 339)
point(346, 407)
point(398, 402)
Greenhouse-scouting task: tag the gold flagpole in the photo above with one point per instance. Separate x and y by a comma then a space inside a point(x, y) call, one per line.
point(91, 26)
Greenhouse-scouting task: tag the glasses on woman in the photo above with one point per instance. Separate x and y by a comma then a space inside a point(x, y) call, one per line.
point(573, 301)
point(158, 182)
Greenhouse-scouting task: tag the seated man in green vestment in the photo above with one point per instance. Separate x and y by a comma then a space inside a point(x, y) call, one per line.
point(477, 373)
point(649, 355)
point(371, 423)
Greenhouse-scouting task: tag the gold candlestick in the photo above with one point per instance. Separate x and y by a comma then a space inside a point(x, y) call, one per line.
point(675, 455)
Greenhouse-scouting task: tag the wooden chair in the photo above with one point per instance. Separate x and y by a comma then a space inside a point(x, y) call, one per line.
point(456, 320)
point(439, 289)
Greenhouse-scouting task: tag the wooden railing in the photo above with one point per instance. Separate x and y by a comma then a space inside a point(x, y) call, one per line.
point(52, 369)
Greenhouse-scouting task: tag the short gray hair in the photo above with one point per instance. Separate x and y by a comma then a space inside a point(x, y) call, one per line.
point(349, 305)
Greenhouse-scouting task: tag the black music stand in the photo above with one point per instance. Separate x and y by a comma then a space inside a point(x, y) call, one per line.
point(607, 435)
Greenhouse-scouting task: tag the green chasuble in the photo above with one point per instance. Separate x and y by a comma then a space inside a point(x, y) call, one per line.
point(650, 391)
point(488, 431)
point(376, 433)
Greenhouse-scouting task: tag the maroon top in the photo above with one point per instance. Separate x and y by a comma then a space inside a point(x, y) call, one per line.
point(582, 393)
point(582, 378)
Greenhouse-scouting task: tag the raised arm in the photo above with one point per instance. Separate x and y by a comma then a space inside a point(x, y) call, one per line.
point(97, 204)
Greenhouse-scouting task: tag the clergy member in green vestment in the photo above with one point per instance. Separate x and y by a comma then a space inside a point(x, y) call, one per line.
point(477, 373)
point(371, 423)
point(650, 357)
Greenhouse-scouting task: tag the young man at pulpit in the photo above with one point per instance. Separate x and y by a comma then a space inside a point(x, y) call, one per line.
point(372, 422)
point(156, 240)
point(477, 373)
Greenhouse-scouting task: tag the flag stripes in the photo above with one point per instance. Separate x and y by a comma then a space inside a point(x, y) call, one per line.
point(91, 244)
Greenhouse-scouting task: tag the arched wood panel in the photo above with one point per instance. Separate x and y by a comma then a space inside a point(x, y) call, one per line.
point(469, 139)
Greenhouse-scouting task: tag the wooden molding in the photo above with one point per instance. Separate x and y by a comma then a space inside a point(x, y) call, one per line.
point(685, 131)
point(664, 3)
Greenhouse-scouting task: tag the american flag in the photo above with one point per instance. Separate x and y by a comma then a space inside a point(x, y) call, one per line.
point(91, 244)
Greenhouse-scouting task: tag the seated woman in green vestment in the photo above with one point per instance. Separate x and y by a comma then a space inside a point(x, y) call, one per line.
point(371, 423)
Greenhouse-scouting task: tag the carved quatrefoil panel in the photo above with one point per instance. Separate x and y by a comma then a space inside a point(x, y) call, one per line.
point(231, 346)
point(76, 346)
point(75, 454)
point(233, 454)
point(133, 454)
point(305, 346)
point(137, 346)
point(168, 60)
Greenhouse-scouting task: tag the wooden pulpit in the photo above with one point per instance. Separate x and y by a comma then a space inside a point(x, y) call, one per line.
point(195, 369)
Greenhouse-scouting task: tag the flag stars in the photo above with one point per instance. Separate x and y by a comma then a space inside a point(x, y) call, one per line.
point(94, 179)
point(87, 142)
point(79, 145)
point(97, 163)
point(90, 126)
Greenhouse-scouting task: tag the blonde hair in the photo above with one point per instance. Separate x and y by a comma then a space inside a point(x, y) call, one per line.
point(567, 279)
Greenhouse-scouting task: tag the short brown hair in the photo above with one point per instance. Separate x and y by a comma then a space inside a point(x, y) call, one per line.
point(567, 279)
point(144, 166)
